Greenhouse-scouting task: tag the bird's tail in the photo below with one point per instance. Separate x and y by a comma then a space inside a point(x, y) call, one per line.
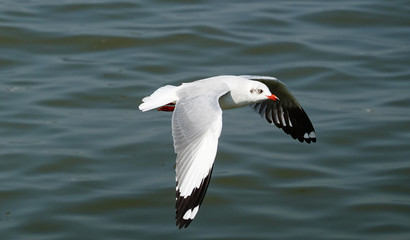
point(160, 97)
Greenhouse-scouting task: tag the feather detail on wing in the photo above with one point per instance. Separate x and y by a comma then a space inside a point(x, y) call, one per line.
point(196, 127)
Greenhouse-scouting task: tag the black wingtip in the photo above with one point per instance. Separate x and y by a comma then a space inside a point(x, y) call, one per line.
point(190, 203)
point(181, 223)
point(302, 128)
point(292, 120)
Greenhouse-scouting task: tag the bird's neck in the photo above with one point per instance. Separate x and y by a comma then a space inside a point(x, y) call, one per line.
point(227, 101)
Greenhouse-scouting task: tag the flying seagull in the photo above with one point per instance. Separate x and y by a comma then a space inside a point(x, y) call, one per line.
point(197, 123)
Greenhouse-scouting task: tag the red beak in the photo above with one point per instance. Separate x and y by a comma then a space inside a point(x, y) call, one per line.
point(273, 97)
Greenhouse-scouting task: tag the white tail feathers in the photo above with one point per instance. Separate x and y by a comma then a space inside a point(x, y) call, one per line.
point(160, 97)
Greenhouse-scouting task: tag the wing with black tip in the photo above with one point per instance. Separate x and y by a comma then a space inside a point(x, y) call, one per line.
point(287, 113)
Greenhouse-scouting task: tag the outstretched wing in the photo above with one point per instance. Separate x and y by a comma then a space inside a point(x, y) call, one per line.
point(287, 113)
point(196, 127)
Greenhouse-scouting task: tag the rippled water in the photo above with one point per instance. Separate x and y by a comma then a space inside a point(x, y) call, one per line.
point(78, 161)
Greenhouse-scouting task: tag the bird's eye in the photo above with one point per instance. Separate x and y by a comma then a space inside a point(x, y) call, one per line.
point(260, 91)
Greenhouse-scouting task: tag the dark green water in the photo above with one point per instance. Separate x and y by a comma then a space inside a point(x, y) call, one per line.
point(79, 161)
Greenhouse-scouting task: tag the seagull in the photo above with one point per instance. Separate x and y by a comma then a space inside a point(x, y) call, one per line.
point(197, 123)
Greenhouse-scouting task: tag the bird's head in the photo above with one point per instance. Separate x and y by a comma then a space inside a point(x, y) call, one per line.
point(260, 92)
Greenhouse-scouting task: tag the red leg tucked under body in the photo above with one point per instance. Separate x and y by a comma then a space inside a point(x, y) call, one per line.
point(167, 108)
